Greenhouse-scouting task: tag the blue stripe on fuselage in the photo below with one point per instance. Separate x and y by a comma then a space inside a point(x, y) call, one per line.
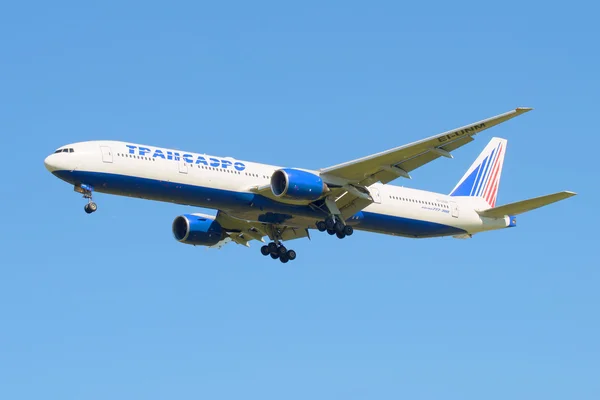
point(232, 201)
point(403, 226)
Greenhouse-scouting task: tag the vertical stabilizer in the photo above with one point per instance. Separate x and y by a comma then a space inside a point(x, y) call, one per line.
point(483, 177)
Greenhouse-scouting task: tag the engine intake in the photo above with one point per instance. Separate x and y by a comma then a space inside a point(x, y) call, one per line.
point(297, 184)
point(198, 230)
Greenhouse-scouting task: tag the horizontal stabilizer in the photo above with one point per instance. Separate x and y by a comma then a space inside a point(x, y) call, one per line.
point(521, 207)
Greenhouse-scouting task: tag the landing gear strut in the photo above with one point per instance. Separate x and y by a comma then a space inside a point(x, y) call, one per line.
point(278, 251)
point(87, 190)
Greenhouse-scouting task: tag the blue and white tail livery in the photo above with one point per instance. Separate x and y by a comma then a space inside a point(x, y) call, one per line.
point(483, 177)
point(254, 200)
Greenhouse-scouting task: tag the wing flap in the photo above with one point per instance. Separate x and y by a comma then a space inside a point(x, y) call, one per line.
point(523, 206)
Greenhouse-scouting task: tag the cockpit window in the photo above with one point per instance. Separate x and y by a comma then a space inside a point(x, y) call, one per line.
point(58, 151)
point(64, 151)
point(70, 150)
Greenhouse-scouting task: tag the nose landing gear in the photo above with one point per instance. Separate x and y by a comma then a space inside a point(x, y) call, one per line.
point(87, 190)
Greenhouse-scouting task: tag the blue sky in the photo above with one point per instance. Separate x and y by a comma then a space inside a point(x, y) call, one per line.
point(110, 306)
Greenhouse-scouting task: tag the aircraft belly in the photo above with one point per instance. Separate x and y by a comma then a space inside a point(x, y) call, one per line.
point(403, 226)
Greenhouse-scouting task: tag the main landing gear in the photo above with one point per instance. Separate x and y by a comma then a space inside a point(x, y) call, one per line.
point(335, 226)
point(87, 190)
point(278, 250)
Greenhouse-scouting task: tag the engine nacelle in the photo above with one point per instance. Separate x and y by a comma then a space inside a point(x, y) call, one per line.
point(197, 229)
point(297, 184)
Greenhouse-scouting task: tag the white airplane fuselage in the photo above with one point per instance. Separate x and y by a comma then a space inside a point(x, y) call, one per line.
point(224, 183)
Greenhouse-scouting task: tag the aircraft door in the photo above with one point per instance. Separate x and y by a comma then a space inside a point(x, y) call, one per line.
point(454, 209)
point(106, 154)
point(183, 168)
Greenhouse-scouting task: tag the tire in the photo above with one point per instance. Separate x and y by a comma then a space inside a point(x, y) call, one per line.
point(284, 259)
point(86, 208)
point(264, 250)
point(321, 226)
point(340, 235)
point(339, 227)
point(282, 251)
point(330, 223)
point(274, 256)
point(92, 206)
point(331, 231)
point(348, 230)
point(272, 248)
point(291, 255)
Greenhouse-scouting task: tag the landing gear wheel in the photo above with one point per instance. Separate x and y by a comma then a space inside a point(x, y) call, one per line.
point(291, 255)
point(330, 223)
point(321, 226)
point(331, 231)
point(90, 207)
point(282, 251)
point(272, 248)
point(264, 250)
point(348, 230)
point(284, 259)
point(338, 227)
point(340, 235)
point(274, 256)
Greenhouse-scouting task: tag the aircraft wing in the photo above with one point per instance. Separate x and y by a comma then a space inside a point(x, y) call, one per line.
point(350, 181)
point(398, 162)
point(243, 232)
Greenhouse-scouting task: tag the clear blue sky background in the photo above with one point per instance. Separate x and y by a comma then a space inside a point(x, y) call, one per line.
point(110, 306)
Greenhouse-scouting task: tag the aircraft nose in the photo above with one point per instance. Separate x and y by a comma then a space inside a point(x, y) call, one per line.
point(48, 162)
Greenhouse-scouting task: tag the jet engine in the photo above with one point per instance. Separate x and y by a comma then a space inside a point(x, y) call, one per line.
point(197, 229)
point(296, 184)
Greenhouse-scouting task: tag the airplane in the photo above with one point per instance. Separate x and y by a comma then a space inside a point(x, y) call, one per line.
point(255, 200)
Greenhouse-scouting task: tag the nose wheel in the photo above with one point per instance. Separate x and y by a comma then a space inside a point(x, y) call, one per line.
point(278, 251)
point(86, 191)
point(90, 207)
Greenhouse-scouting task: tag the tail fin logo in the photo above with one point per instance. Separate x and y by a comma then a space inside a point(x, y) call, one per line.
point(483, 177)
